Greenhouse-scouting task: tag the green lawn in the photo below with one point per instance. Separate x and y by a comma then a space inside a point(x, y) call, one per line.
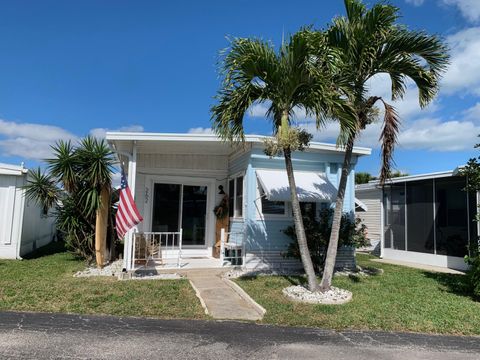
point(46, 284)
point(402, 299)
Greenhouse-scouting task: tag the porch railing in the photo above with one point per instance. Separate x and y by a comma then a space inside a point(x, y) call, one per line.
point(156, 248)
point(232, 248)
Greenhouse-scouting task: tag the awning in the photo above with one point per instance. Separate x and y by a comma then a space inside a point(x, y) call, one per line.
point(360, 204)
point(311, 186)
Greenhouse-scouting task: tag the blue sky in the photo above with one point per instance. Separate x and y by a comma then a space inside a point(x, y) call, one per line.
point(72, 68)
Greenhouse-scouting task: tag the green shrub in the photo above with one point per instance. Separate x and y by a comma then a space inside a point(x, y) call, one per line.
point(352, 233)
point(473, 275)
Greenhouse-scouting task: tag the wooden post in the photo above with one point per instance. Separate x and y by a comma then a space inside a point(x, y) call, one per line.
point(101, 224)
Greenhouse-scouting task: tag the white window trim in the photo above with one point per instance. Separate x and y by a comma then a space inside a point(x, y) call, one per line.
point(287, 215)
point(234, 196)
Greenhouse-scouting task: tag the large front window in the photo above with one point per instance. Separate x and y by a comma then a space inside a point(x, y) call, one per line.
point(176, 207)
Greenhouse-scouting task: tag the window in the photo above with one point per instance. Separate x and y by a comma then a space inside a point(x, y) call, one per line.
point(309, 209)
point(333, 168)
point(235, 193)
point(271, 207)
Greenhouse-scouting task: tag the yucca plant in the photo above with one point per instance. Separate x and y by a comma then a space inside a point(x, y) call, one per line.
point(79, 181)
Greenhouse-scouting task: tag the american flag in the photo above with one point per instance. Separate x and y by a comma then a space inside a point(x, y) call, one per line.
point(127, 212)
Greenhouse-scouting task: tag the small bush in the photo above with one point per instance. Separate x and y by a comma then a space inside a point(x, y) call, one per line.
point(473, 275)
point(352, 233)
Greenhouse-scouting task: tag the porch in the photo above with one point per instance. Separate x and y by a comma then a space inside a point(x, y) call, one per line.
point(165, 251)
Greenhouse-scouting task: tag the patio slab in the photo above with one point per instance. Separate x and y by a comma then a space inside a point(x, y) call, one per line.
point(420, 266)
point(222, 301)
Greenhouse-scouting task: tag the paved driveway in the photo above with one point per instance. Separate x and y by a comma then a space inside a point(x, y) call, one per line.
point(58, 336)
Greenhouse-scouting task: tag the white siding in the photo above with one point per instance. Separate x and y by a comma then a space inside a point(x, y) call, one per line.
point(38, 229)
point(372, 217)
point(22, 228)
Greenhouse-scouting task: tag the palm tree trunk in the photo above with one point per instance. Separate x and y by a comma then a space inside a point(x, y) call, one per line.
point(299, 229)
point(329, 267)
point(101, 224)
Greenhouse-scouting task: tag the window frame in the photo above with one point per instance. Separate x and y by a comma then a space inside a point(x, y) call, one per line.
point(233, 197)
point(261, 216)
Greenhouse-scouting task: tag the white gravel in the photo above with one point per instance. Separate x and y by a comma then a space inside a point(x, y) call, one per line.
point(173, 276)
point(334, 296)
point(113, 269)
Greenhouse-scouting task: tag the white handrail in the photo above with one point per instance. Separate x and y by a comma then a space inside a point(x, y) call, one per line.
point(152, 244)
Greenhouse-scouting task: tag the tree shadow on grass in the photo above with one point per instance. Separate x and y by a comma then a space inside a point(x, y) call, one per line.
point(49, 249)
point(452, 283)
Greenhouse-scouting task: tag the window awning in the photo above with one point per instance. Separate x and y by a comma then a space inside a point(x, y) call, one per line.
point(360, 204)
point(311, 186)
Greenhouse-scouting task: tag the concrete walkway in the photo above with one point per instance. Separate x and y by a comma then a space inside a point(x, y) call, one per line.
point(221, 298)
point(420, 266)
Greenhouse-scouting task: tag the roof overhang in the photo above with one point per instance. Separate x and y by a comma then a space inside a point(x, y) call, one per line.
point(196, 139)
point(7, 169)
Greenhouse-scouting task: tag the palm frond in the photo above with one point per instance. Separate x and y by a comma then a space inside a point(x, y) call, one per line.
point(95, 160)
point(388, 139)
point(63, 166)
point(42, 189)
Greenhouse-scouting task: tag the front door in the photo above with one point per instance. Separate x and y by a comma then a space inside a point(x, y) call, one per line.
point(179, 206)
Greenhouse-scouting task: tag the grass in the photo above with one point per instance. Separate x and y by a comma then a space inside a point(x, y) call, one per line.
point(401, 299)
point(45, 283)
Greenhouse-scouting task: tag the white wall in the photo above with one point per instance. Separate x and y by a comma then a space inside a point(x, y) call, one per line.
point(11, 204)
point(38, 229)
point(22, 228)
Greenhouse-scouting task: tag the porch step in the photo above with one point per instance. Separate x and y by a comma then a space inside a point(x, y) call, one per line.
point(221, 299)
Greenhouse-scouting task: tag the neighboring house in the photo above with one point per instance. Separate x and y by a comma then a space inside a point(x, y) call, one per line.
point(425, 219)
point(177, 180)
point(23, 225)
point(368, 209)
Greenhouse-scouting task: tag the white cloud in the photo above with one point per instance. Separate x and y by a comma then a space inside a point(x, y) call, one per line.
point(34, 141)
point(435, 135)
point(258, 109)
point(200, 130)
point(473, 113)
point(30, 141)
point(463, 74)
point(470, 9)
point(408, 107)
point(415, 2)
point(101, 132)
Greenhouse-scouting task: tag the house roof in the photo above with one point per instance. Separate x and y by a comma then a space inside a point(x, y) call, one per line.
point(116, 137)
point(8, 169)
point(433, 175)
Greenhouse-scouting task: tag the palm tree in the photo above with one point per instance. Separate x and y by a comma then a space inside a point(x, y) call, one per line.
point(80, 178)
point(253, 72)
point(368, 42)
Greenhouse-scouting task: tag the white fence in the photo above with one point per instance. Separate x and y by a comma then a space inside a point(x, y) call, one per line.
point(156, 248)
point(232, 248)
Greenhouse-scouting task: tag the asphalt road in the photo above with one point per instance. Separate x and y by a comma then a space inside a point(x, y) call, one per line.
point(59, 336)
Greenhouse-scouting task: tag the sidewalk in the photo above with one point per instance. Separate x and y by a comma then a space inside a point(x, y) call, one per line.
point(221, 298)
point(420, 266)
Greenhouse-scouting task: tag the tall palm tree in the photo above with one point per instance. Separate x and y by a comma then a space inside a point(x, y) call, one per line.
point(290, 79)
point(368, 42)
point(83, 174)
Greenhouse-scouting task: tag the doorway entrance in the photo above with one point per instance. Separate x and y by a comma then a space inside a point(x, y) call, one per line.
point(181, 206)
